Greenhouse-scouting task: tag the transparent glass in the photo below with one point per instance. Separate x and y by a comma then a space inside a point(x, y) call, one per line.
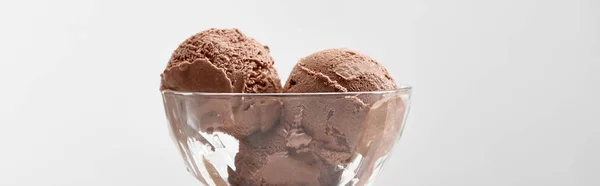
point(286, 138)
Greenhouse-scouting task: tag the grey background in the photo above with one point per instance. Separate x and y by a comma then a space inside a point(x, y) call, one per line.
point(506, 92)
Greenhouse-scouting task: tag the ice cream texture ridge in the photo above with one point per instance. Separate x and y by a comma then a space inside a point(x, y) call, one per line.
point(305, 141)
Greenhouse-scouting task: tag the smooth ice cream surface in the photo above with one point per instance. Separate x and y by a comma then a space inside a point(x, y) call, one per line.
point(338, 70)
point(221, 60)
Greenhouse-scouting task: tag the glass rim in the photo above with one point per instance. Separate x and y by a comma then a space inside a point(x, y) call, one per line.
point(401, 88)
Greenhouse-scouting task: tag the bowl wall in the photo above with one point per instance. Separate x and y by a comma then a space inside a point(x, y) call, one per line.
point(286, 139)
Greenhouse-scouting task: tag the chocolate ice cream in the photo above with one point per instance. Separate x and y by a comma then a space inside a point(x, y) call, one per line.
point(225, 61)
point(310, 140)
point(319, 136)
point(338, 70)
point(221, 60)
point(344, 127)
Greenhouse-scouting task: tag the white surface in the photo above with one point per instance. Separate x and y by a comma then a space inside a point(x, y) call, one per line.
point(506, 92)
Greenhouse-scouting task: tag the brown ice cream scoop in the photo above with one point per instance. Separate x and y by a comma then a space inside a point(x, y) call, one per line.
point(221, 60)
point(225, 61)
point(336, 124)
point(338, 70)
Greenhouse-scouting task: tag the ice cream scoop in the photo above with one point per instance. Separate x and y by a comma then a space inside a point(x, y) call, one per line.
point(344, 127)
point(221, 60)
point(338, 70)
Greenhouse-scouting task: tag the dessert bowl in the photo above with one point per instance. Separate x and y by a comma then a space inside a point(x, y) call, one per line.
point(326, 138)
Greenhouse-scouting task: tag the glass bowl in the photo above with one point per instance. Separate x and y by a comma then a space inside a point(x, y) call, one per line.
point(337, 138)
